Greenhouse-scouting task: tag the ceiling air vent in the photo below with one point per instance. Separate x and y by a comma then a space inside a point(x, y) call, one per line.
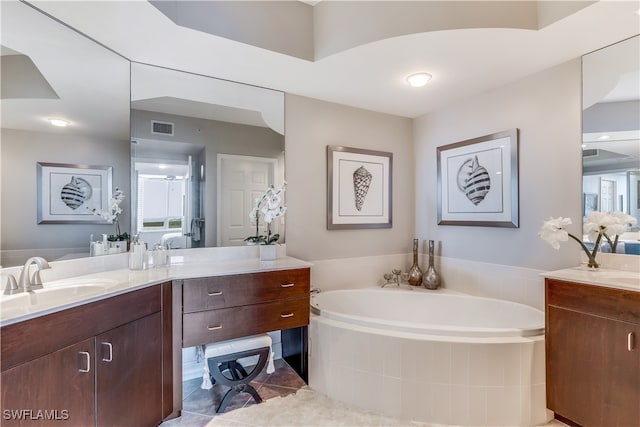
point(161, 128)
point(591, 152)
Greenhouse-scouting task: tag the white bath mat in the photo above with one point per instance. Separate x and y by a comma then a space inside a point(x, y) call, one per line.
point(304, 408)
point(307, 408)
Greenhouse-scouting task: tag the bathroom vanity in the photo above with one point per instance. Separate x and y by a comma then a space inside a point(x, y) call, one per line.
point(593, 347)
point(116, 359)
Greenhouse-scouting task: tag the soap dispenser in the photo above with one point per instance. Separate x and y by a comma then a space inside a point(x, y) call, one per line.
point(138, 255)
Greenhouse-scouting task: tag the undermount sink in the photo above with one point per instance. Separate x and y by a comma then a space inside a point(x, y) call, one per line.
point(47, 297)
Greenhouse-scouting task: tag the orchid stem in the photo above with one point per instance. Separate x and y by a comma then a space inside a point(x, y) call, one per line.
point(591, 256)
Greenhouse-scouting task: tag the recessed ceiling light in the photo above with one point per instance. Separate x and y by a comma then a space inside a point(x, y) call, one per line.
point(59, 122)
point(418, 79)
point(602, 137)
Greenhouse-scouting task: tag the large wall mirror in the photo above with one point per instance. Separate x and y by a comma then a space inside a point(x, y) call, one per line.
point(49, 72)
point(611, 134)
point(189, 152)
point(202, 150)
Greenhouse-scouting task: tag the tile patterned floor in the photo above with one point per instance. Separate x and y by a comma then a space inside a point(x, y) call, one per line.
point(199, 406)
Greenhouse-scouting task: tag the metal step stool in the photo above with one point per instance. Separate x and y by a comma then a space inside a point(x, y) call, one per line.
point(223, 357)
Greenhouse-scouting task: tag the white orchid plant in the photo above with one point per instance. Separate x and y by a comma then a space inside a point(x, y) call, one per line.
point(598, 225)
point(269, 207)
point(111, 214)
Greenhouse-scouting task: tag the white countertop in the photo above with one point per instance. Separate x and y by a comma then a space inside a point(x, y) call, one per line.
point(73, 291)
point(619, 279)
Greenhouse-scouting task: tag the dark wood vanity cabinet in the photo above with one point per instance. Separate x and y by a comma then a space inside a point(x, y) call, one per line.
point(97, 364)
point(224, 307)
point(129, 374)
point(593, 354)
point(55, 383)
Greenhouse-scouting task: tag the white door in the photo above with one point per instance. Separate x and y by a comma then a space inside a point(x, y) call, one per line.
point(241, 179)
point(607, 195)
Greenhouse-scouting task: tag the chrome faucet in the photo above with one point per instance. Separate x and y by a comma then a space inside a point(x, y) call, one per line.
point(395, 278)
point(36, 283)
point(392, 278)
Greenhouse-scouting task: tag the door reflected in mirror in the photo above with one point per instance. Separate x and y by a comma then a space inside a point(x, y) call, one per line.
point(203, 149)
point(611, 135)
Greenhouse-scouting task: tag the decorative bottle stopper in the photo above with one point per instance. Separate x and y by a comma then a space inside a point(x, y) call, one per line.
point(415, 274)
point(431, 279)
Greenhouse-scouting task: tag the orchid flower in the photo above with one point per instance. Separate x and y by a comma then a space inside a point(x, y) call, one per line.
point(554, 231)
point(597, 226)
point(267, 205)
point(609, 225)
point(111, 215)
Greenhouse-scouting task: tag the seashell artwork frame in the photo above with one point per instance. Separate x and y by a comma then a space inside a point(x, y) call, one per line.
point(358, 188)
point(67, 193)
point(478, 181)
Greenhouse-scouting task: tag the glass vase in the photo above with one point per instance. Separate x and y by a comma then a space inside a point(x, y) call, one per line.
point(431, 278)
point(415, 274)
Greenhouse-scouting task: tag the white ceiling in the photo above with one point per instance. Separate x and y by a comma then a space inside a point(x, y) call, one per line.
point(463, 62)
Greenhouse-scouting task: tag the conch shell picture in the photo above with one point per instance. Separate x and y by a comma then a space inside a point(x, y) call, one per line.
point(76, 192)
point(474, 180)
point(361, 183)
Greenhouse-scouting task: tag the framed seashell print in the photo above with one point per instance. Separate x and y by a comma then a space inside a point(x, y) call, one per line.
point(478, 181)
point(358, 188)
point(68, 193)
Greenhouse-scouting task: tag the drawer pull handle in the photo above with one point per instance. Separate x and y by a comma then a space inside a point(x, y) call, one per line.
point(88, 365)
point(631, 341)
point(284, 316)
point(214, 328)
point(110, 357)
point(214, 294)
point(287, 285)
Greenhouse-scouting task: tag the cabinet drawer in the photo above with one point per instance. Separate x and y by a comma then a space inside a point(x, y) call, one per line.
point(612, 303)
point(217, 325)
point(242, 289)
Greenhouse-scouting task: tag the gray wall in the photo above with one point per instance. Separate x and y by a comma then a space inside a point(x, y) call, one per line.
point(311, 125)
point(546, 109)
point(21, 151)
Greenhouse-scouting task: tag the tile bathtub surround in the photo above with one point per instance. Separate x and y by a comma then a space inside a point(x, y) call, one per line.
point(460, 383)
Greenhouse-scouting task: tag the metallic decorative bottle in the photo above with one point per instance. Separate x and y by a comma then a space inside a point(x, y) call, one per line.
point(415, 274)
point(431, 278)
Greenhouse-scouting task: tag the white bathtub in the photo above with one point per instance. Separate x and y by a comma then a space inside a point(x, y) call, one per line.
point(428, 356)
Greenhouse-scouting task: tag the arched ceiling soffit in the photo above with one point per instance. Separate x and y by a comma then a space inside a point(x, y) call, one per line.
point(309, 32)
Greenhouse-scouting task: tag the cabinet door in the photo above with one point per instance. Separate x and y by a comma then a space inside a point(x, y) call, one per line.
point(593, 378)
point(54, 389)
point(129, 374)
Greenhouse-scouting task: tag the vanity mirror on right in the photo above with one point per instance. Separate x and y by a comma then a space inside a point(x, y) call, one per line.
point(611, 134)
